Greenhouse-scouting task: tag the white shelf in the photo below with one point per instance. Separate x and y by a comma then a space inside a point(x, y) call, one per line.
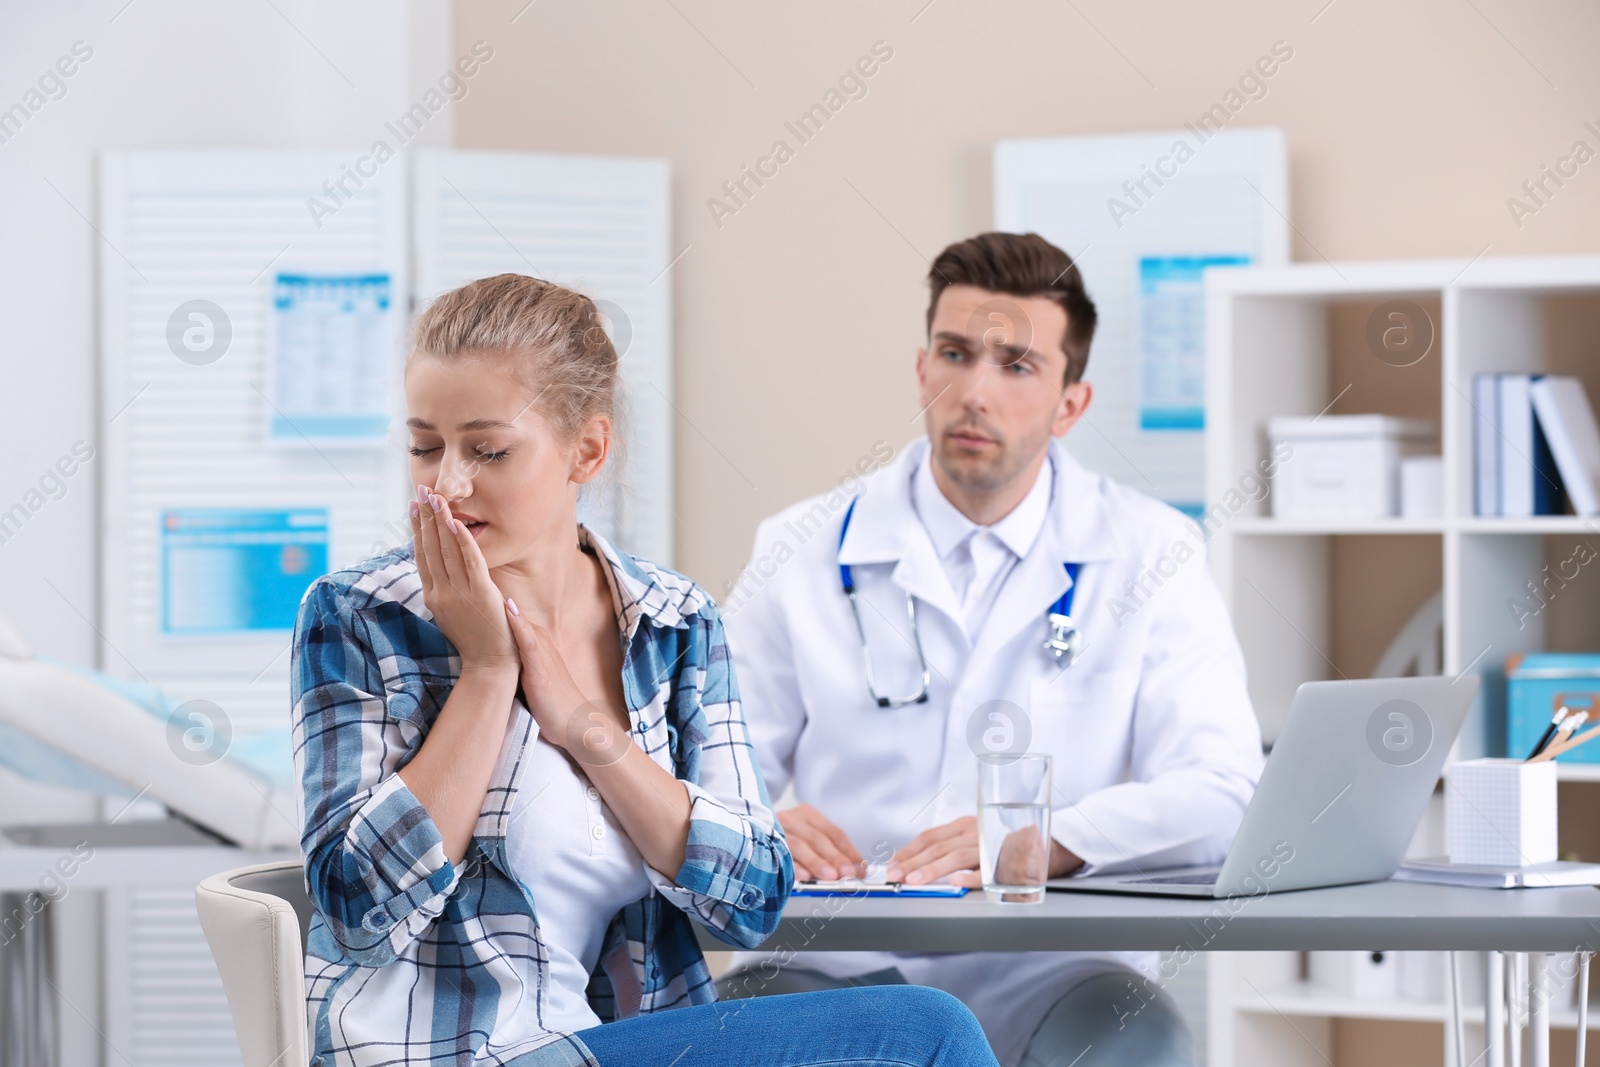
point(1290, 341)
point(1543, 524)
point(1303, 998)
point(1413, 277)
point(1265, 526)
point(1340, 281)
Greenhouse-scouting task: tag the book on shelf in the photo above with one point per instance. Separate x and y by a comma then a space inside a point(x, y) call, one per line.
point(1569, 426)
point(1486, 444)
point(1534, 436)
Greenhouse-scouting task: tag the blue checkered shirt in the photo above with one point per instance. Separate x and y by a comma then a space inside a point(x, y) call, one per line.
point(414, 960)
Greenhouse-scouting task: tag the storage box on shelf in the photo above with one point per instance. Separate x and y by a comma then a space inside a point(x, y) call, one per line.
point(1342, 466)
point(1317, 598)
point(1539, 686)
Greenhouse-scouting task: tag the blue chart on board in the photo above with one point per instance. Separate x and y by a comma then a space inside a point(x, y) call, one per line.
point(1172, 340)
point(227, 570)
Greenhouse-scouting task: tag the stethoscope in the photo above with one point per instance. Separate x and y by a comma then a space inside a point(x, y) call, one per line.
point(1063, 644)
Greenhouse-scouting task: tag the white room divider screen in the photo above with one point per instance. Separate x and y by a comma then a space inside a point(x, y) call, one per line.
point(198, 250)
point(184, 399)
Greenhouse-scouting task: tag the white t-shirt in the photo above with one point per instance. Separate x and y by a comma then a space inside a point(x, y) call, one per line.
point(564, 844)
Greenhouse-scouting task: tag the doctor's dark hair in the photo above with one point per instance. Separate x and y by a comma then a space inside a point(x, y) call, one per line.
point(1020, 264)
point(553, 336)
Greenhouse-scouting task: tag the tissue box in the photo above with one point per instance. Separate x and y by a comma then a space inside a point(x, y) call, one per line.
point(1562, 976)
point(1501, 812)
point(1536, 684)
point(1343, 466)
point(1364, 975)
point(1422, 487)
point(1421, 976)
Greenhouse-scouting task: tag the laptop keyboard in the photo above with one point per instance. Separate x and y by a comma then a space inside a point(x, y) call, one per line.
point(1200, 878)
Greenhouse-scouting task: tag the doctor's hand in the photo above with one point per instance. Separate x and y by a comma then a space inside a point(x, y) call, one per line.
point(820, 849)
point(952, 850)
point(456, 587)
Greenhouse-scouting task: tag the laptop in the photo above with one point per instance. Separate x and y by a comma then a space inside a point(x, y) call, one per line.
point(1339, 798)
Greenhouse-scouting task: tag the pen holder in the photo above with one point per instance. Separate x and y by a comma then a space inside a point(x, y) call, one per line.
point(1501, 812)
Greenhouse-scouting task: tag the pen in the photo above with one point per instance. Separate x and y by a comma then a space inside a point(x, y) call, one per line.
point(1564, 732)
point(1568, 727)
point(1549, 731)
point(1561, 748)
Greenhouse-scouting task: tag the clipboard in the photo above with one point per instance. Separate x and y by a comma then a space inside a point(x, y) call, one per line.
point(851, 887)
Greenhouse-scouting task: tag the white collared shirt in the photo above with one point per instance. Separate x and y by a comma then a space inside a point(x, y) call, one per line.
point(978, 559)
point(1155, 748)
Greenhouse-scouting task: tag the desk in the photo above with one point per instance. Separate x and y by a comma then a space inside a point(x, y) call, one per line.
point(1379, 915)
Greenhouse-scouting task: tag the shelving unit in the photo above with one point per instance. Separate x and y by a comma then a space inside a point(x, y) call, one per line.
point(1303, 998)
point(1322, 599)
point(1262, 1012)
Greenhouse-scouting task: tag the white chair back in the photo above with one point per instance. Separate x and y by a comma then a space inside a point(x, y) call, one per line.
point(255, 920)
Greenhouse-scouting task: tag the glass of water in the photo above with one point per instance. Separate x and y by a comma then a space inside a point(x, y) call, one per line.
point(1014, 826)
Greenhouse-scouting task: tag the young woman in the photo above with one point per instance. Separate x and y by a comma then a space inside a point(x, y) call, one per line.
point(524, 769)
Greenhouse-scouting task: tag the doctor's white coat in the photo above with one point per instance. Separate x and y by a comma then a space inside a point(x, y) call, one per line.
point(1156, 748)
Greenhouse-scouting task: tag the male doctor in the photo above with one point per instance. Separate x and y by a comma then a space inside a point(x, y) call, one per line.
point(968, 533)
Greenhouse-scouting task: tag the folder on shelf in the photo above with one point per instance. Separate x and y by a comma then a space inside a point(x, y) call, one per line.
point(1569, 426)
point(1516, 445)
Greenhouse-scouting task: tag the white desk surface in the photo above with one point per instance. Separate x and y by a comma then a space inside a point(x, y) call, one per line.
point(1379, 916)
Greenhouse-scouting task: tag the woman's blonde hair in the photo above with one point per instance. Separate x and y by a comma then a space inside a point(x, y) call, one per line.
point(553, 336)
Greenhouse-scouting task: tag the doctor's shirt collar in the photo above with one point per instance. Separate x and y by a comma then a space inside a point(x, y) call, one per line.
point(1018, 529)
point(1078, 525)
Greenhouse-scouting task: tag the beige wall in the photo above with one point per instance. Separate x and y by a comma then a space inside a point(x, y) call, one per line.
point(1409, 126)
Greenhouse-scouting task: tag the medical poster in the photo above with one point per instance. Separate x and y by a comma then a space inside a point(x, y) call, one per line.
point(226, 570)
point(1172, 340)
point(332, 358)
point(1145, 216)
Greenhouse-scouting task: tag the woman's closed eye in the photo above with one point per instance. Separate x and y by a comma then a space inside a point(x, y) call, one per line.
point(478, 453)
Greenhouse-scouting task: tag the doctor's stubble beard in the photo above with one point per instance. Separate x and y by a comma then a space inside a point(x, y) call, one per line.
point(986, 476)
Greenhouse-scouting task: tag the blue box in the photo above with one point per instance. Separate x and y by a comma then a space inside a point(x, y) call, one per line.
point(1538, 683)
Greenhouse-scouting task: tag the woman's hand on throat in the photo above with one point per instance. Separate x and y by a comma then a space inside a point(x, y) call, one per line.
point(586, 729)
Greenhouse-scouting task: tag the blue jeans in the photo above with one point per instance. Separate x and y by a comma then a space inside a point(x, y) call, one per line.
point(1096, 1023)
point(868, 1026)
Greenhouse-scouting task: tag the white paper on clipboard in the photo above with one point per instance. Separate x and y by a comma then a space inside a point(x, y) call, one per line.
point(332, 358)
point(1143, 243)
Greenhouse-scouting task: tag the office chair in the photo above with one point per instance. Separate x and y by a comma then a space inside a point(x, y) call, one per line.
point(255, 920)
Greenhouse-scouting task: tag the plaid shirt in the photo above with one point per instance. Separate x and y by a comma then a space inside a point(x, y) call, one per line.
point(414, 960)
